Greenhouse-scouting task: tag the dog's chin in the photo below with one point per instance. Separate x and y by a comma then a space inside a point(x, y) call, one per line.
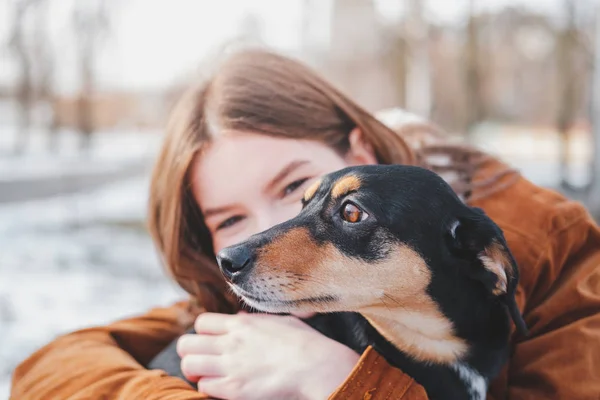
point(283, 305)
point(268, 306)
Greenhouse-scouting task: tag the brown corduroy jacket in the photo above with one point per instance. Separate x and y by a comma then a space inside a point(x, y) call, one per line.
point(556, 245)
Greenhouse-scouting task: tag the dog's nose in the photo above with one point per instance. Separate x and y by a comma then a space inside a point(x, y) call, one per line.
point(234, 260)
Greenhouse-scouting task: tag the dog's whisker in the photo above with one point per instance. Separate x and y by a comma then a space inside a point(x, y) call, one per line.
point(386, 306)
point(306, 278)
point(391, 298)
point(396, 301)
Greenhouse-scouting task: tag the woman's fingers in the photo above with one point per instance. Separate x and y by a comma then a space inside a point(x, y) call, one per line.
point(221, 388)
point(212, 323)
point(201, 365)
point(199, 344)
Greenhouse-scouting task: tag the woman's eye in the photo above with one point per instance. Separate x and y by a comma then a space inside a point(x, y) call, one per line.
point(230, 222)
point(351, 213)
point(292, 187)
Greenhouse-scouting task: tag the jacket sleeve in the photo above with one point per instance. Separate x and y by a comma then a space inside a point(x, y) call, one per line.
point(374, 379)
point(105, 362)
point(560, 359)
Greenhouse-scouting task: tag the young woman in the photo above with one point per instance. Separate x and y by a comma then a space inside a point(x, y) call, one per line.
point(239, 151)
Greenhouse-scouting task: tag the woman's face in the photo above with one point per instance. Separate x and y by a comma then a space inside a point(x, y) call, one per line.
point(246, 183)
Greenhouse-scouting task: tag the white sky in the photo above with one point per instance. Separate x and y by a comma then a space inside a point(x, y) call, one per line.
point(154, 43)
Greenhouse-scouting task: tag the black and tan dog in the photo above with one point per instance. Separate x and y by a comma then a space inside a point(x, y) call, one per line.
point(433, 277)
point(394, 260)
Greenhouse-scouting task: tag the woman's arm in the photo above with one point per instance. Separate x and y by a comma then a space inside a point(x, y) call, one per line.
point(105, 362)
point(561, 357)
point(374, 379)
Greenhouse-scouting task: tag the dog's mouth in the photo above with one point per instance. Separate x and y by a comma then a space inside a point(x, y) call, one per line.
point(279, 305)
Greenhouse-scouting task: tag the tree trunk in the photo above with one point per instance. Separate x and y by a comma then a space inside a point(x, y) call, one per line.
point(25, 100)
point(24, 95)
point(44, 58)
point(400, 68)
point(593, 200)
point(90, 20)
point(418, 80)
point(85, 116)
point(565, 52)
point(475, 104)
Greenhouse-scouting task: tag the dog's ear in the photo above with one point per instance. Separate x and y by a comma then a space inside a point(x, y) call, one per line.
point(477, 239)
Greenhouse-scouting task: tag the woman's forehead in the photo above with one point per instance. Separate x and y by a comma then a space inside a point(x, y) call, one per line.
point(240, 164)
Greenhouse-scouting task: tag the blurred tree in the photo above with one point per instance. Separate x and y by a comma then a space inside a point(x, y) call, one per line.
point(593, 200)
point(90, 22)
point(44, 60)
point(566, 49)
point(354, 55)
point(25, 84)
point(399, 59)
point(418, 79)
point(473, 80)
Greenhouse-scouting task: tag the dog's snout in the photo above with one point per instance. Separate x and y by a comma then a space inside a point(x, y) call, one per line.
point(235, 260)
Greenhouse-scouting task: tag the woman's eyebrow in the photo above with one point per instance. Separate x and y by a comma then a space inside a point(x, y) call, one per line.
point(210, 212)
point(288, 169)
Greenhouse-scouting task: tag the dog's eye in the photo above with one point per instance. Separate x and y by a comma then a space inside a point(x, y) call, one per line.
point(351, 213)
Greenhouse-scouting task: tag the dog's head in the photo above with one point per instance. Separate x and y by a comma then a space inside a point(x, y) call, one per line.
point(375, 236)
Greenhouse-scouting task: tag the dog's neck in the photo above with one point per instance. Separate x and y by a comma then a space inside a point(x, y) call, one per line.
point(428, 338)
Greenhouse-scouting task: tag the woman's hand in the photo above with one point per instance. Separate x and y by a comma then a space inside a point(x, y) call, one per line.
point(261, 356)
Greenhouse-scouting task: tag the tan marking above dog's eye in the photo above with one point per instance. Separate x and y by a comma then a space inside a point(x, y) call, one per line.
point(344, 186)
point(351, 213)
point(312, 189)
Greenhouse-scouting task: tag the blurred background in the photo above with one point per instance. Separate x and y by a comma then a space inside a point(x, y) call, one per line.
point(86, 86)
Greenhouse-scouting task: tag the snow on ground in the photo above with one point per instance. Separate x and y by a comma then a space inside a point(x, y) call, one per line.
point(75, 261)
point(72, 262)
point(108, 151)
point(121, 201)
